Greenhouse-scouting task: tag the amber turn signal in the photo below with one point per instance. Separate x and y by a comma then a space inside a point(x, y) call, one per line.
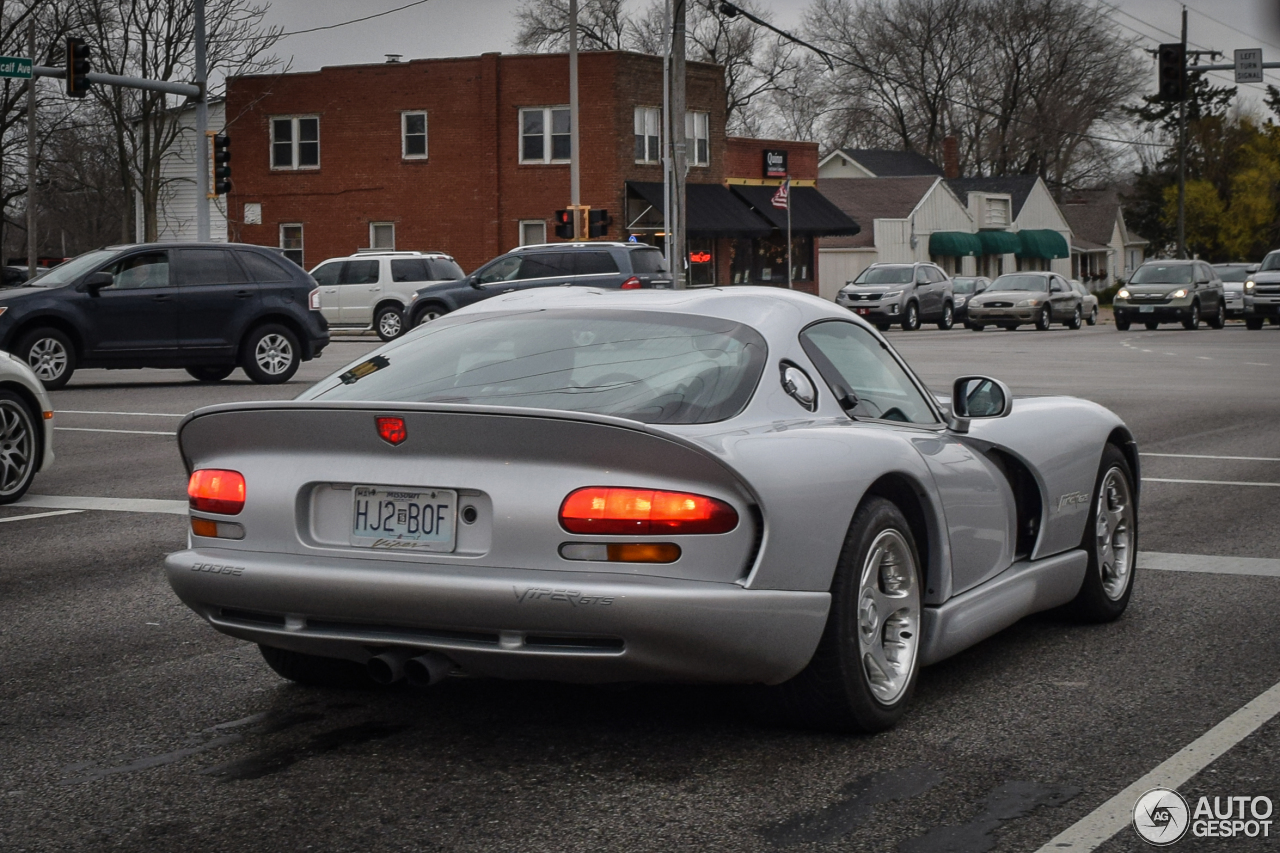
point(621, 552)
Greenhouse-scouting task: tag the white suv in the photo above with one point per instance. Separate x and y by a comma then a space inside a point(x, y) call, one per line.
point(369, 290)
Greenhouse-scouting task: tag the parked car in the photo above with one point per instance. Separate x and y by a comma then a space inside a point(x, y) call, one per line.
point(199, 306)
point(906, 294)
point(1172, 292)
point(573, 485)
point(1239, 298)
point(625, 266)
point(963, 289)
point(1266, 292)
point(1018, 298)
point(371, 290)
point(26, 428)
point(1088, 302)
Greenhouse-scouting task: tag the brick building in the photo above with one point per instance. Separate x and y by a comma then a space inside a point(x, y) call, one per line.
point(470, 156)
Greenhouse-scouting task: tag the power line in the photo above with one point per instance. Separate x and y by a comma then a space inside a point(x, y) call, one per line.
point(355, 20)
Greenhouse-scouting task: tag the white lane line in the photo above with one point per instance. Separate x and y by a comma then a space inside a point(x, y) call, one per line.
point(39, 515)
point(1209, 482)
point(1201, 456)
point(1096, 828)
point(1256, 364)
point(121, 414)
point(122, 431)
point(113, 504)
point(1204, 358)
point(1256, 566)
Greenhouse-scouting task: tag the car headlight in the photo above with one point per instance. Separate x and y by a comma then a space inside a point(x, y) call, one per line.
point(960, 300)
point(1029, 303)
point(1248, 285)
point(891, 294)
point(1122, 294)
point(3, 308)
point(1179, 293)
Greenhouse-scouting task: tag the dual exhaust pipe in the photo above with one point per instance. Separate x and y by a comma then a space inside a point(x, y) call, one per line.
point(421, 669)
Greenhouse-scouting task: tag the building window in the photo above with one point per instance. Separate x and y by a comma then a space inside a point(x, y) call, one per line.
point(533, 232)
point(291, 242)
point(413, 136)
point(996, 213)
point(697, 131)
point(382, 235)
point(648, 120)
point(702, 262)
point(295, 142)
point(544, 135)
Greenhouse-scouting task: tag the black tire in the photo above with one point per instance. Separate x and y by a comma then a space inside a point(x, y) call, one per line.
point(1151, 326)
point(1253, 324)
point(1122, 324)
point(1104, 595)
point(389, 323)
point(50, 354)
point(270, 354)
point(20, 446)
point(834, 692)
point(316, 671)
point(948, 317)
point(1092, 319)
point(1193, 322)
point(428, 312)
point(911, 317)
point(1012, 328)
point(975, 327)
point(210, 374)
point(1044, 319)
point(1219, 320)
point(884, 327)
point(1076, 320)
point(1274, 321)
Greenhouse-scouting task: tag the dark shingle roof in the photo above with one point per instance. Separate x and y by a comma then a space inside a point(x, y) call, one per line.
point(868, 199)
point(1092, 214)
point(886, 163)
point(1018, 187)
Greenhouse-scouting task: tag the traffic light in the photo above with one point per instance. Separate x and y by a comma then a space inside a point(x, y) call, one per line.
point(221, 164)
point(564, 224)
point(1173, 72)
point(78, 67)
point(598, 222)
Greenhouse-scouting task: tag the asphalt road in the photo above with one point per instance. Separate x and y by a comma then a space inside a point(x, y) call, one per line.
point(128, 724)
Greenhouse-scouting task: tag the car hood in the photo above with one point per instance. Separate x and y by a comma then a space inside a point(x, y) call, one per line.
point(1008, 294)
point(433, 286)
point(1158, 288)
point(1233, 286)
point(1265, 277)
point(8, 296)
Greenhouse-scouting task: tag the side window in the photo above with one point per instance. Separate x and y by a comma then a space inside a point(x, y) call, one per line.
point(359, 272)
point(545, 265)
point(849, 358)
point(936, 274)
point(409, 269)
point(206, 266)
point(922, 275)
point(327, 274)
point(1055, 285)
point(593, 263)
point(503, 269)
point(140, 271)
point(262, 268)
point(1206, 274)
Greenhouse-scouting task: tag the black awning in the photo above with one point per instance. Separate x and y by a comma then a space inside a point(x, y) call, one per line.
point(713, 211)
point(811, 212)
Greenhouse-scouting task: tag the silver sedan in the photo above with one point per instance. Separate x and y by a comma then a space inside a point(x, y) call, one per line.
point(735, 486)
point(26, 428)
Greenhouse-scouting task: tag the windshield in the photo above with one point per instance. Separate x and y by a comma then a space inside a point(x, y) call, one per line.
point(1229, 272)
point(963, 285)
point(73, 269)
point(652, 367)
point(885, 275)
point(1014, 281)
point(1271, 262)
point(1162, 274)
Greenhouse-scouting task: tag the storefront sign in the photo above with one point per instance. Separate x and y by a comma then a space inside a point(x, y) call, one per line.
point(775, 163)
point(699, 257)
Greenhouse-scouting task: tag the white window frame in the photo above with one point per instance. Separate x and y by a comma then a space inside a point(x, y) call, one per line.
point(271, 149)
point(404, 135)
point(542, 223)
point(375, 225)
point(644, 116)
point(546, 133)
point(693, 134)
point(302, 241)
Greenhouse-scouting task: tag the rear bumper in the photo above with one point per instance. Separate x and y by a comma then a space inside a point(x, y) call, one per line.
point(506, 623)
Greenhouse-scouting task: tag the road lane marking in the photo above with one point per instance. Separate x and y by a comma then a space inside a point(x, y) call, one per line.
point(1210, 482)
point(111, 504)
point(39, 515)
point(1098, 827)
point(124, 431)
point(1201, 456)
point(1256, 364)
point(1256, 566)
point(121, 414)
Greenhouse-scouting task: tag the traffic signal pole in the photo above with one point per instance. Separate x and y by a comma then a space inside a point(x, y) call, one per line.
point(32, 250)
point(202, 127)
point(1182, 150)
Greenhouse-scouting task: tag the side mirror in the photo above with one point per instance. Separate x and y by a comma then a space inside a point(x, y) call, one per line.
point(978, 397)
point(474, 281)
point(94, 282)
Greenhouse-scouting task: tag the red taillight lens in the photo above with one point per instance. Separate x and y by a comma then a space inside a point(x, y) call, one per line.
point(392, 430)
point(627, 512)
point(211, 490)
point(313, 299)
point(632, 283)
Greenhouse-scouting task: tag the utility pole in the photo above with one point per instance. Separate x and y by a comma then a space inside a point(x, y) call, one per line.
point(575, 182)
point(32, 252)
point(667, 243)
point(680, 163)
point(1182, 151)
point(202, 127)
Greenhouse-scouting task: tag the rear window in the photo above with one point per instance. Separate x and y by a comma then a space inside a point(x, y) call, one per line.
point(443, 269)
point(648, 366)
point(648, 260)
point(262, 268)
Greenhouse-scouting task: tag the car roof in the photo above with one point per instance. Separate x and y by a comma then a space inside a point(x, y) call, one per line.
point(1172, 261)
point(188, 244)
point(594, 244)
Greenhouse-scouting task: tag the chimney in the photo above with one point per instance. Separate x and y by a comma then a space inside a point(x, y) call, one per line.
point(393, 58)
point(951, 157)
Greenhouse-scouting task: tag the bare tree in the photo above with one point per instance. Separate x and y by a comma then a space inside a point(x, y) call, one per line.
point(544, 26)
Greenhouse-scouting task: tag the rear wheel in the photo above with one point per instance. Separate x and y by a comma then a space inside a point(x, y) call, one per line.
point(884, 327)
point(864, 670)
point(19, 447)
point(1044, 319)
point(911, 317)
point(1253, 324)
point(389, 322)
point(1076, 320)
point(50, 355)
point(316, 671)
point(1092, 319)
point(1193, 322)
point(1111, 541)
point(270, 355)
point(1219, 320)
point(948, 317)
point(210, 374)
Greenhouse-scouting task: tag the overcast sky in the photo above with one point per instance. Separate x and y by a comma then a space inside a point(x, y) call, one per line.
point(469, 27)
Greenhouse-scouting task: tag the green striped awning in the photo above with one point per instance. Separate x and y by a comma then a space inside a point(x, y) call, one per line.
point(999, 242)
point(1043, 244)
point(955, 244)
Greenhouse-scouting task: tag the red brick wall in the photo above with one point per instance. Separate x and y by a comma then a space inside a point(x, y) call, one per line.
point(745, 158)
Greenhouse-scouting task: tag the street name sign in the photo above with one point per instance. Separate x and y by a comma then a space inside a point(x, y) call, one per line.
point(1249, 65)
point(15, 66)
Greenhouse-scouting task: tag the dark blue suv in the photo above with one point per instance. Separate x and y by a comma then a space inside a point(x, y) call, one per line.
point(205, 307)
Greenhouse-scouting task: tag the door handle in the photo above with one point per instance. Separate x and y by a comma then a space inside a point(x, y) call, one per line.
point(161, 297)
point(243, 294)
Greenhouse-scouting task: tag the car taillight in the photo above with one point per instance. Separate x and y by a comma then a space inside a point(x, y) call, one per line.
point(212, 490)
point(632, 283)
point(313, 299)
point(627, 512)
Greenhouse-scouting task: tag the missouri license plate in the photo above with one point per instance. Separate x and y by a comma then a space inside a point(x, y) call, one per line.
point(404, 519)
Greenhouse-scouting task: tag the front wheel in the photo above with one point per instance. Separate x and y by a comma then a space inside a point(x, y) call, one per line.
point(1110, 540)
point(50, 355)
point(270, 355)
point(210, 374)
point(975, 327)
point(1253, 324)
point(948, 317)
point(1093, 317)
point(864, 670)
point(1151, 327)
point(884, 327)
point(389, 323)
point(429, 312)
point(1193, 322)
point(911, 318)
point(1122, 324)
point(1219, 320)
point(19, 447)
point(1044, 319)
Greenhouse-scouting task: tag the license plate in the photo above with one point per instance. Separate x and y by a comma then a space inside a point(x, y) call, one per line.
point(404, 519)
point(864, 310)
point(1146, 309)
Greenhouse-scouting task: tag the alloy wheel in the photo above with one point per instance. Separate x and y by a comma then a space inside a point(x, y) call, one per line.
point(48, 358)
point(390, 323)
point(888, 616)
point(274, 354)
point(1114, 532)
point(17, 447)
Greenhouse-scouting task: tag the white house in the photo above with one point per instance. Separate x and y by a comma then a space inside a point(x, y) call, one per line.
point(176, 217)
point(1022, 204)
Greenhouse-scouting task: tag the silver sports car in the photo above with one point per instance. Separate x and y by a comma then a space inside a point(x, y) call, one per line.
point(26, 428)
point(741, 485)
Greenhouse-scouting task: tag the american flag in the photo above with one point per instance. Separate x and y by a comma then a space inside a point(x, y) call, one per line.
point(782, 198)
